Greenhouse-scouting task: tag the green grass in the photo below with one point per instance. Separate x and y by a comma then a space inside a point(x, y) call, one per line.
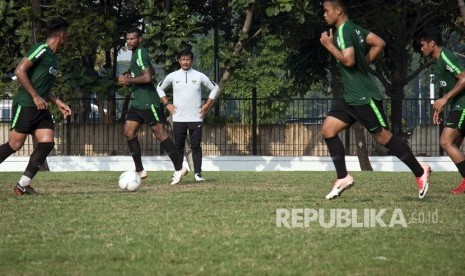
point(83, 225)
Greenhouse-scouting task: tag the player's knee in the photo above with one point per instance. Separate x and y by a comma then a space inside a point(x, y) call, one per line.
point(160, 135)
point(159, 132)
point(15, 145)
point(445, 143)
point(47, 146)
point(383, 137)
point(129, 135)
point(327, 133)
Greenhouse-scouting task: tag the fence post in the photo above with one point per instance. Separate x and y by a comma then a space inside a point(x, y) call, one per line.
point(441, 124)
point(68, 136)
point(432, 89)
point(217, 67)
point(254, 122)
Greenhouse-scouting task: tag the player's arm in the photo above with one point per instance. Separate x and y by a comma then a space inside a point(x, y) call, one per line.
point(345, 56)
point(21, 73)
point(144, 78)
point(376, 44)
point(64, 108)
point(458, 88)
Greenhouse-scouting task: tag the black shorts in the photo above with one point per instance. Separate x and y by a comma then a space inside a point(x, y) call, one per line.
point(456, 120)
point(27, 119)
point(149, 116)
point(371, 115)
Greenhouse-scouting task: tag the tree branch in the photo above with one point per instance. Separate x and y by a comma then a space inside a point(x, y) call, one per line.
point(245, 32)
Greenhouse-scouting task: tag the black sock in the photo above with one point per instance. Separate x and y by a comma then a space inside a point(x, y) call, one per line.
point(401, 150)
point(37, 158)
point(337, 152)
point(169, 147)
point(461, 167)
point(5, 151)
point(134, 148)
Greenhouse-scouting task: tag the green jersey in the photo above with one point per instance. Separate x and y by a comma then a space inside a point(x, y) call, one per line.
point(446, 69)
point(42, 74)
point(145, 95)
point(359, 88)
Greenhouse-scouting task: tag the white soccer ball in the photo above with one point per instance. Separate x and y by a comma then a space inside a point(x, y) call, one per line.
point(129, 181)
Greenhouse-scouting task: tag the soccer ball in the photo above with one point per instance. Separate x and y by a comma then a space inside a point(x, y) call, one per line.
point(129, 181)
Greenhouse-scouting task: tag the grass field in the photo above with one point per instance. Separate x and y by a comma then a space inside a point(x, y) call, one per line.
point(83, 225)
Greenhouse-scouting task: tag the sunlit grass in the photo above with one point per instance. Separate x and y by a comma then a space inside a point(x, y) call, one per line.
point(83, 225)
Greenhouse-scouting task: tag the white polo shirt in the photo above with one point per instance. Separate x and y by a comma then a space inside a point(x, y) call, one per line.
point(187, 93)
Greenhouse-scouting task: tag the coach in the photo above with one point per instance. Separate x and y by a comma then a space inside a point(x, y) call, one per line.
point(187, 109)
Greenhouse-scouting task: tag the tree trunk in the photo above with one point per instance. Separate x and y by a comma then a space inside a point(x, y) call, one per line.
point(396, 114)
point(362, 149)
point(110, 115)
point(125, 108)
point(188, 153)
point(36, 23)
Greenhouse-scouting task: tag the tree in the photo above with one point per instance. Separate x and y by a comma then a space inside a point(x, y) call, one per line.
point(406, 19)
point(257, 50)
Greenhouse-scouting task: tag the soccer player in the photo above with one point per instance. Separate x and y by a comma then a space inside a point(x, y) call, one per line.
point(144, 108)
point(36, 73)
point(187, 108)
point(450, 74)
point(354, 49)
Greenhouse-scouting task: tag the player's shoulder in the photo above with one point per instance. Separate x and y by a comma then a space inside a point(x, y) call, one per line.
point(448, 57)
point(41, 46)
point(351, 26)
point(37, 50)
point(448, 54)
point(451, 59)
point(142, 51)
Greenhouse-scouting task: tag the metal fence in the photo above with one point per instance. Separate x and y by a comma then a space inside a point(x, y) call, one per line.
point(235, 126)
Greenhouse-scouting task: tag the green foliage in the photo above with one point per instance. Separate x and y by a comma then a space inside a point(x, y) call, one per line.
point(266, 74)
point(8, 90)
point(238, 5)
point(279, 6)
point(169, 31)
point(15, 32)
point(281, 55)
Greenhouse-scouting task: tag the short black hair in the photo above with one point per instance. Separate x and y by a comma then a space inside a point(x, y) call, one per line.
point(339, 4)
point(431, 33)
point(55, 25)
point(134, 30)
point(186, 52)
